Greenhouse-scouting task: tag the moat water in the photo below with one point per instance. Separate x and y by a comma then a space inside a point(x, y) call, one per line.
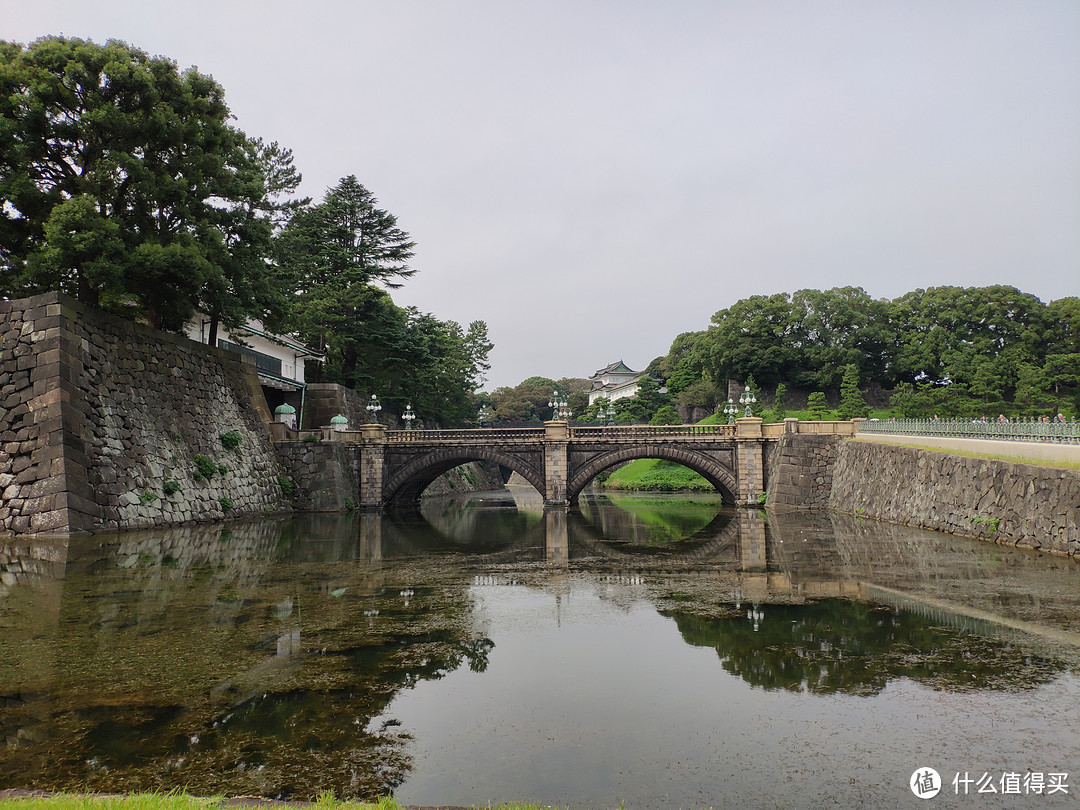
point(658, 651)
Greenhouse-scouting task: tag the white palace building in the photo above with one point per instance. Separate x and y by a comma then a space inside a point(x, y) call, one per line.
point(613, 382)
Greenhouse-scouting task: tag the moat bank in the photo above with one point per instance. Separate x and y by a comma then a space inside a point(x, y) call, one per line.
point(1003, 501)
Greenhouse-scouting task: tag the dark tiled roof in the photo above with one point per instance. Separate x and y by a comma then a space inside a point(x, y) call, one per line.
point(618, 366)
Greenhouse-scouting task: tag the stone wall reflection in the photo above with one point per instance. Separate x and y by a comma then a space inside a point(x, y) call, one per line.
point(224, 659)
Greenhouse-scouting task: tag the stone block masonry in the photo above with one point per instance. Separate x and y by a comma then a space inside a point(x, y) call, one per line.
point(1003, 501)
point(108, 424)
point(801, 472)
point(326, 475)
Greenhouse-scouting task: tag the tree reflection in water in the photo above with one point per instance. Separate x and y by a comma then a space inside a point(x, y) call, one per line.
point(840, 645)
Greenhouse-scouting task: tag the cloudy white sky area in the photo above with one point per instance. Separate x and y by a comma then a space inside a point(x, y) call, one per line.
point(594, 177)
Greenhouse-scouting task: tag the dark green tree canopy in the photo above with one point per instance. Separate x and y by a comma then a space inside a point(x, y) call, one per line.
point(123, 183)
point(951, 350)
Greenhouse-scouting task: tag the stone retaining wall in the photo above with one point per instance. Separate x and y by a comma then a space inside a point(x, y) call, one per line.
point(801, 470)
point(324, 401)
point(325, 475)
point(103, 423)
point(1003, 501)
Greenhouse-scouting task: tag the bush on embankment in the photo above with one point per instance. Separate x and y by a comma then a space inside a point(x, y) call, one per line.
point(656, 475)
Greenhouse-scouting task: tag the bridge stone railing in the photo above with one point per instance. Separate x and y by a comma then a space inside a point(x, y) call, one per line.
point(475, 436)
point(1017, 430)
point(652, 431)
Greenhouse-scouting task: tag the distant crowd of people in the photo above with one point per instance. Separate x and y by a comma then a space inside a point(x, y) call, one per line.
point(1003, 419)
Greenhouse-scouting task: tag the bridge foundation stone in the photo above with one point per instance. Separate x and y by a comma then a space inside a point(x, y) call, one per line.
point(750, 459)
point(372, 455)
point(556, 442)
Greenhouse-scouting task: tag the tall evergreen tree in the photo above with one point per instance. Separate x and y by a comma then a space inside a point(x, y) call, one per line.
point(779, 404)
point(852, 404)
point(335, 252)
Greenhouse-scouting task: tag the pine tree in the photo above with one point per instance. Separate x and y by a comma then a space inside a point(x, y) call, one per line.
point(779, 406)
point(852, 404)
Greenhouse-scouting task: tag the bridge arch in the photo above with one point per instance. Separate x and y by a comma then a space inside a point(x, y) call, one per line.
point(708, 468)
point(405, 486)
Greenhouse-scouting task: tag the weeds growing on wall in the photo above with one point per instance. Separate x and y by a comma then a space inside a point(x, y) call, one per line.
point(231, 440)
point(205, 467)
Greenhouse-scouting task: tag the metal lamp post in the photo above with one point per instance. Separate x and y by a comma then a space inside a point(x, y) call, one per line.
point(747, 398)
point(408, 416)
point(731, 409)
point(559, 408)
point(373, 407)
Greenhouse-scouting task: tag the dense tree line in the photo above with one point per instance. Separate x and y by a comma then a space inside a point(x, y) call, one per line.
point(951, 351)
point(954, 351)
point(124, 183)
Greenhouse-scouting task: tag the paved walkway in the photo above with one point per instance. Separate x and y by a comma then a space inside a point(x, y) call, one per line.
point(1049, 454)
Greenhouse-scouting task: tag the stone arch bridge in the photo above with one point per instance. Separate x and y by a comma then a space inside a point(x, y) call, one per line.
point(395, 466)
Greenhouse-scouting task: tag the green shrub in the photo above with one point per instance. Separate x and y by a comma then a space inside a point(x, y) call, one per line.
point(311, 438)
point(231, 440)
point(148, 497)
point(666, 415)
point(205, 467)
point(286, 484)
point(170, 487)
point(226, 503)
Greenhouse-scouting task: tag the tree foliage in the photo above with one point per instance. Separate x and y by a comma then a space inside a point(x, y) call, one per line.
point(949, 350)
point(124, 184)
point(817, 405)
point(852, 403)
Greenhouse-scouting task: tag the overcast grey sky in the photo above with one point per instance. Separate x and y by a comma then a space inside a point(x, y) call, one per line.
point(594, 177)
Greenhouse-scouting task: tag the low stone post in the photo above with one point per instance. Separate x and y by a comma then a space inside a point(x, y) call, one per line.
point(556, 441)
point(372, 456)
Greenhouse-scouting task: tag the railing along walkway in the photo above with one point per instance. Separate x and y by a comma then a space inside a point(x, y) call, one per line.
point(1017, 430)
